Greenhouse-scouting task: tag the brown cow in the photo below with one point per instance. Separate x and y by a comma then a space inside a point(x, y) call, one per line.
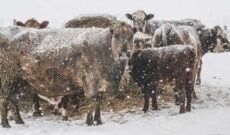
point(32, 23)
point(169, 34)
point(94, 66)
point(10, 73)
point(149, 67)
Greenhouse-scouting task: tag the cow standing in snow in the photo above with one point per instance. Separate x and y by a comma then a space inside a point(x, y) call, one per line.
point(203, 40)
point(149, 67)
point(94, 65)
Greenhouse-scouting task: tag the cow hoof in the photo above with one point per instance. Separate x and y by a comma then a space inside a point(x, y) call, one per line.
point(99, 122)
point(64, 118)
point(182, 111)
point(198, 82)
point(19, 121)
point(5, 124)
point(89, 119)
point(56, 112)
point(188, 109)
point(144, 110)
point(177, 102)
point(37, 114)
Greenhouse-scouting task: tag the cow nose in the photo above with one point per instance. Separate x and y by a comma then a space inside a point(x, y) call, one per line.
point(140, 29)
point(123, 56)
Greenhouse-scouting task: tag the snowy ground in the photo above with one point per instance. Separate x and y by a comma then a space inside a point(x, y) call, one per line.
point(210, 114)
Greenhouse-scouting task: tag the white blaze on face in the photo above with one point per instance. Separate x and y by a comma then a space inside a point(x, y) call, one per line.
point(64, 112)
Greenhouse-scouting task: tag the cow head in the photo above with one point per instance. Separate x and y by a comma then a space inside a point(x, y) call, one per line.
point(122, 41)
point(32, 23)
point(214, 40)
point(139, 19)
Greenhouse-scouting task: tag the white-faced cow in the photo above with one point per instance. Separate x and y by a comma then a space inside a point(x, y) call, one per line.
point(94, 62)
point(143, 22)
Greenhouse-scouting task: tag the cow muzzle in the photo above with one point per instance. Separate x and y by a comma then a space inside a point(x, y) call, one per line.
point(124, 56)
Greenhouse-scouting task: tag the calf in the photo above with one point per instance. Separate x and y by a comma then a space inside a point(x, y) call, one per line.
point(166, 64)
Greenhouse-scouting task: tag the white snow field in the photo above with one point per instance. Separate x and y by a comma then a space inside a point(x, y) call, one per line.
point(210, 115)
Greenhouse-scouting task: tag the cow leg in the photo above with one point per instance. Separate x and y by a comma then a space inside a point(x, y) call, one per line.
point(97, 115)
point(89, 117)
point(36, 106)
point(146, 100)
point(198, 80)
point(189, 92)
point(154, 97)
point(11, 89)
point(5, 122)
point(18, 118)
point(64, 102)
point(180, 86)
point(177, 99)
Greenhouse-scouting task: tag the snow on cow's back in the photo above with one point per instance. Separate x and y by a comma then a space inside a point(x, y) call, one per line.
point(52, 39)
point(67, 37)
point(11, 31)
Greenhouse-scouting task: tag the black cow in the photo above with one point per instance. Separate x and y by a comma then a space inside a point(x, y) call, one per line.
point(175, 63)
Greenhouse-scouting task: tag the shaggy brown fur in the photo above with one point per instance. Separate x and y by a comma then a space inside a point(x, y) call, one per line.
point(149, 67)
point(95, 21)
point(10, 73)
point(93, 68)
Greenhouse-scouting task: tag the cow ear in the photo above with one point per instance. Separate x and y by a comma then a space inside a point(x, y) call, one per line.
point(18, 23)
point(44, 24)
point(111, 31)
point(149, 16)
point(213, 31)
point(129, 16)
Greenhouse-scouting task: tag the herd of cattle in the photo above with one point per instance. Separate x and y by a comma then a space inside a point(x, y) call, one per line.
point(60, 64)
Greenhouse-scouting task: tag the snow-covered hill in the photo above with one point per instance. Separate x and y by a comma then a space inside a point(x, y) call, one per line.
point(210, 114)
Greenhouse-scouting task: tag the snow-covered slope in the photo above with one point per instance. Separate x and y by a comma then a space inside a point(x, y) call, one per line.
point(210, 114)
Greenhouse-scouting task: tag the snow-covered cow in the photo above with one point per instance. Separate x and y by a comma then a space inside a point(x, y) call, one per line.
point(175, 63)
point(98, 21)
point(13, 34)
point(169, 34)
point(203, 40)
point(67, 61)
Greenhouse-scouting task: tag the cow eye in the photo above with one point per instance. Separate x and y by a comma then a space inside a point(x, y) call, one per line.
point(219, 36)
point(116, 36)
